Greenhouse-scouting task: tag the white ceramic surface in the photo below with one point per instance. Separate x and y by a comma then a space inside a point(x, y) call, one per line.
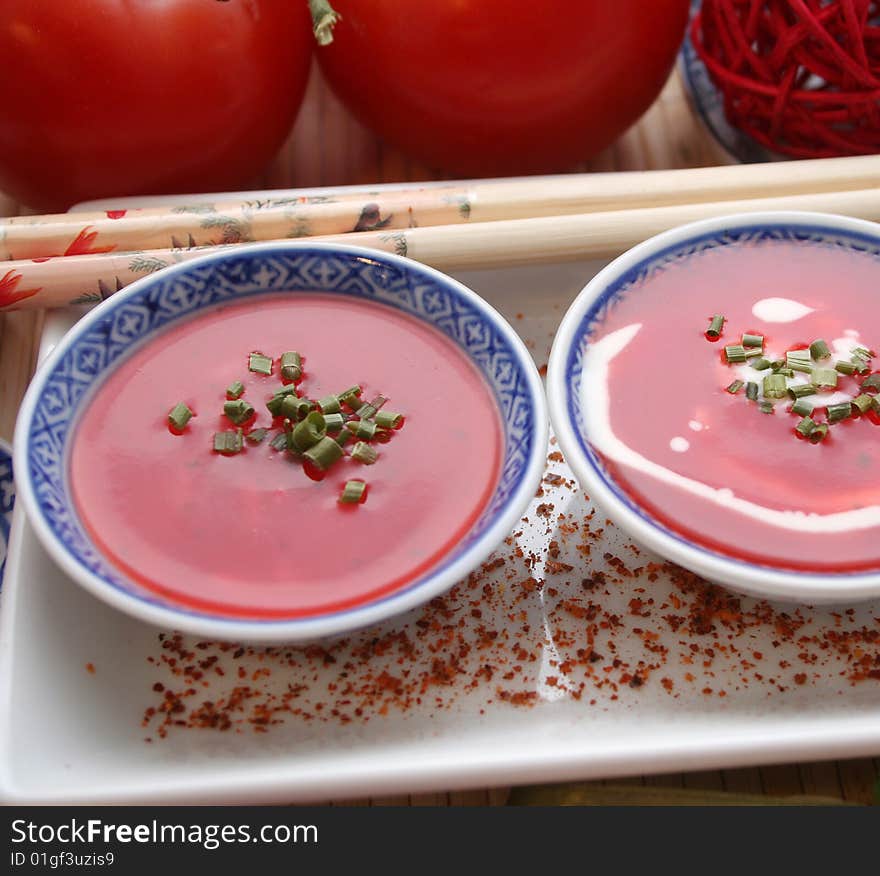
point(69, 735)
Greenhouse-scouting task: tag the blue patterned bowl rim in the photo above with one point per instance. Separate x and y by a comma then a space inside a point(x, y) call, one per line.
point(7, 501)
point(130, 318)
point(568, 417)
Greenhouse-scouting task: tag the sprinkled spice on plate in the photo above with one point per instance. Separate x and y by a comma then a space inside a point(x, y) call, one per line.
point(621, 627)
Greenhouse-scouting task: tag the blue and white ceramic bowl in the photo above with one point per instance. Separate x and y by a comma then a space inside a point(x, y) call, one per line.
point(570, 413)
point(109, 333)
point(7, 500)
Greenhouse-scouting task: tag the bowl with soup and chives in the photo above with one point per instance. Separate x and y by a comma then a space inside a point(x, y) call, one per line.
point(276, 443)
point(716, 390)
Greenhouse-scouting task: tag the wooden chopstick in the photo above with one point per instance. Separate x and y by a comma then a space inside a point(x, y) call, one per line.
point(507, 243)
point(604, 235)
point(237, 221)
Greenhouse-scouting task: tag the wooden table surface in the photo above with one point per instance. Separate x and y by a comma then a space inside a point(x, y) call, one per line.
point(327, 147)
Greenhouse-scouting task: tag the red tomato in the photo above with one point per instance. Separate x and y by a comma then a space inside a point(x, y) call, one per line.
point(481, 87)
point(117, 97)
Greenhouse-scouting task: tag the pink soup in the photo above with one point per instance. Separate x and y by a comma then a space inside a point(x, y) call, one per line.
point(710, 463)
point(252, 534)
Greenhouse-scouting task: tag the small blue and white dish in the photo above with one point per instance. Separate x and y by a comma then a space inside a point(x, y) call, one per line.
point(7, 500)
point(104, 337)
point(573, 412)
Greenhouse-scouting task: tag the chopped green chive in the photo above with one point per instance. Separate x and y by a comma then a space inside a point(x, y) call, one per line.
point(365, 429)
point(323, 454)
point(716, 325)
point(295, 408)
point(775, 386)
point(818, 434)
point(369, 410)
point(308, 432)
point(839, 412)
point(259, 364)
point(801, 389)
point(291, 365)
point(274, 403)
point(362, 452)
point(353, 493)
point(861, 359)
point(389, 419)
point(351, 397)
point(306, 405)
point(871, 383)
point(288, 435)
point(239, 411)
point(228, 442)
point(805, 426)
point(330, 404)
point(863, 403)
point(334, 422)
point(819, 349)
point(802, 408)
point(306, 423)
point(179, 416)
point(797, 361)
point(279, 442)
point(824, 378)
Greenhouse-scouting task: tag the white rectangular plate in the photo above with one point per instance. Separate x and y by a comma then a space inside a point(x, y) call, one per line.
point(492, 686)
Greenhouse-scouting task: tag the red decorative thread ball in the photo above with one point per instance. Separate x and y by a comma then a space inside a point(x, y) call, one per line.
point(802, 77)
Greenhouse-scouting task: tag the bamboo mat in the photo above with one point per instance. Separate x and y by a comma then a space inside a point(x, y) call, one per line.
point(327, 147)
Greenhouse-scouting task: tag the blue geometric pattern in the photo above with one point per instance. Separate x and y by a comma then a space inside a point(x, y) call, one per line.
point(7, 500)
point(128, 321)
point(635, 277)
